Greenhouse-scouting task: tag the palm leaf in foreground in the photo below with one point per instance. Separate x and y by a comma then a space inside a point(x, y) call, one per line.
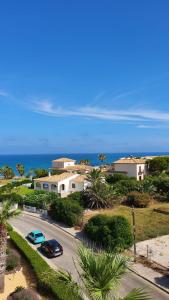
point(137, 294)
point(101, 274)
point(63, 282)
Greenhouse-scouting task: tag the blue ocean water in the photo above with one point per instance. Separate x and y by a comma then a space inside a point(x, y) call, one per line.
point(44, 160)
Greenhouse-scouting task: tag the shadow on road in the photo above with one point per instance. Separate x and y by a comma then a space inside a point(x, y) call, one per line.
point(163, 281)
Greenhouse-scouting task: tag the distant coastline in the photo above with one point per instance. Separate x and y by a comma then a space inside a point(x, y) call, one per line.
point(31, 161)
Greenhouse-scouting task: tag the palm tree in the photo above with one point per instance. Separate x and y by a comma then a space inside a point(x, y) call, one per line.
point(100, 276)
point(7, 172)
point(99, 195)
point(20, 169)
point(102, 273)
point(5, 214)
point(84, 162)
point(102, 157)
point(94, 175)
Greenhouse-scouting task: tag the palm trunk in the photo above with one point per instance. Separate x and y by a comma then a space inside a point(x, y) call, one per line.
point(3, 247)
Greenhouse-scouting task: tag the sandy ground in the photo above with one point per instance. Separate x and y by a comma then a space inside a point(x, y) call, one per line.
point(12, 281)
point(157, 250)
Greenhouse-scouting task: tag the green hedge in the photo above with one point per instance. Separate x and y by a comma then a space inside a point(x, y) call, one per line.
point(44, 273)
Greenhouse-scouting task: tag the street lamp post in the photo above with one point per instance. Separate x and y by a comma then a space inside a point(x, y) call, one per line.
point(134, 232)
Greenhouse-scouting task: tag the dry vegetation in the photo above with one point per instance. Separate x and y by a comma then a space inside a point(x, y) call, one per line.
point(149, 224)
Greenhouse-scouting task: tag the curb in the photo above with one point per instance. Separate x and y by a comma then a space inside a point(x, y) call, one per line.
point(148, 280)
point(53, 223)
point(133, 271)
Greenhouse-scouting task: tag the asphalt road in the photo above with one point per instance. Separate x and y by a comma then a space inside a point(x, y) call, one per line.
point(26, 223)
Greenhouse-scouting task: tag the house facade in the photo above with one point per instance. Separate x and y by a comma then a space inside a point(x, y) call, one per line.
point(63, 184)
point(132, 167)
point(69, 165)
point(63, 163)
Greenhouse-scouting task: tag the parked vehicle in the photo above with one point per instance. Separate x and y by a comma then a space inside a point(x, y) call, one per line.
point(36, 237)
point(52, 248)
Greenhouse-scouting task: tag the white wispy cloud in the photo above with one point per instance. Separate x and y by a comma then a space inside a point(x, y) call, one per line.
point(140, 115)
point(160, 126)
point(3, 93)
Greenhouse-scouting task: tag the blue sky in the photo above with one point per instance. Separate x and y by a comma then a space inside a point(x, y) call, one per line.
point(84, 76)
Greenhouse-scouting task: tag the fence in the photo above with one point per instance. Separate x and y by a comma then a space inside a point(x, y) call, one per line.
point(33, 209)
point(13, 206)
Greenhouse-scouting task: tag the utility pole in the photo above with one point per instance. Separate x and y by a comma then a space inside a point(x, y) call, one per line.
point(134, 232)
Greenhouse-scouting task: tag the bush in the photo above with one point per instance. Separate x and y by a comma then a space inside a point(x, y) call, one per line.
point(23, 294)
point(137, 199)
point(124, 187)
point(40, 199)
point(66, 211)
point(112, 233)
point(13, 260)
point(116, 177)
point(158, 164)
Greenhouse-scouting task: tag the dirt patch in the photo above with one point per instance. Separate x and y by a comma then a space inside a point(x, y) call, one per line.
point(22, 276)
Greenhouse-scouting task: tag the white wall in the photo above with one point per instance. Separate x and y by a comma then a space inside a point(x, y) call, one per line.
point(59, 184)
point(132, 170)
point(59, 164)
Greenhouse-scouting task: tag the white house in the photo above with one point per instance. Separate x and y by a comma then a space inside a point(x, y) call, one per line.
point(132, 167)
point(69, 165)
point(62, 163)
point(63, 184)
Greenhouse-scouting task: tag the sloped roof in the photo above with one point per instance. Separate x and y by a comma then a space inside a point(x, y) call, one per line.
point(79, 178)
point(64, 159)
point(75, 167)
point(130, 160)
point(54, 178)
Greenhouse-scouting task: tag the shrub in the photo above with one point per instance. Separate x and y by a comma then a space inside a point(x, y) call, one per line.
point(66, 211)
point(124, 187)
point(137, 199)
point(13, 260)
point(116, 177)
point(39, 199)
point(158, 164)
point(23, 294)
point(112, 233)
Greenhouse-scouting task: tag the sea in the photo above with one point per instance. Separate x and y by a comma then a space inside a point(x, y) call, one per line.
point(33, 161)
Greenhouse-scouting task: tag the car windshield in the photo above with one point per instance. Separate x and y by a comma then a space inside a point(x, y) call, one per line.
point(38, 235)
point(54, 244)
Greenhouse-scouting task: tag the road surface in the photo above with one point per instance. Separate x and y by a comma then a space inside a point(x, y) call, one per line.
point(25, 224)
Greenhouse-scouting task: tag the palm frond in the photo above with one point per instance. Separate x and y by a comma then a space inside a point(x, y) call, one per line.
point(101, 273)
point(137, 294)
point(6, 212)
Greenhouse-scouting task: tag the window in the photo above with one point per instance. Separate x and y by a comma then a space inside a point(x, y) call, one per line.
point(73, 185)
point(53, 186)
point(45, 186)
point(62, 187)
point(140, 169)
point(38, 185)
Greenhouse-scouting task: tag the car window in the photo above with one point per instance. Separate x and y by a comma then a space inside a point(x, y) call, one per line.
point(38, 235)
point(32, 234)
